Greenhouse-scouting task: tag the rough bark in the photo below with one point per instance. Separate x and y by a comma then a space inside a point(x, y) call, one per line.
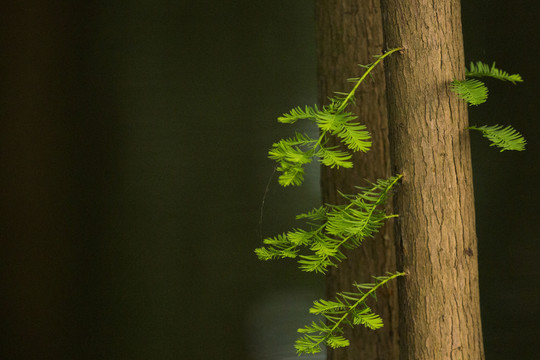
point(439, 299)
point(349, 32)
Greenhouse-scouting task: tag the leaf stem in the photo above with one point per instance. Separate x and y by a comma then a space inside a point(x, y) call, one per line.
point(377, 203)
point(371, 67)
point(363, 298)
point(360, 301)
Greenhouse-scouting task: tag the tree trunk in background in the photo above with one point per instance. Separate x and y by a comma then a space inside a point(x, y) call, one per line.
point(38, 281)
point(349, 32)
point(439, 299)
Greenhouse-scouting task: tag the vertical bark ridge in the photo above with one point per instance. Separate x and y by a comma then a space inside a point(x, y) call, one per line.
point(439, 299)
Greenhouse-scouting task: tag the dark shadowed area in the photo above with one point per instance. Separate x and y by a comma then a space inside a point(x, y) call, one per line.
point(133, 155)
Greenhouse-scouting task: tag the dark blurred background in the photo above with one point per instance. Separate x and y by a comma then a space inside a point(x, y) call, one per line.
point(133, 155)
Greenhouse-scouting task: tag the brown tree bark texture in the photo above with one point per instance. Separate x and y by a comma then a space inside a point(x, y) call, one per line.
point(349, 32)
point(439, 299)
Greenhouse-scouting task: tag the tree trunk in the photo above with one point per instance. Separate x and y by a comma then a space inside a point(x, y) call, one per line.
point(349, 32)
point(439, 299)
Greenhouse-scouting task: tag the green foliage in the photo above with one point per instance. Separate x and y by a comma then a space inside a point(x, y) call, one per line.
point(293, 153)
point(505, 138)
point(349, 308)
point(332, 120)
point(484, 70)
point(474, 92)
point(333, 227)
